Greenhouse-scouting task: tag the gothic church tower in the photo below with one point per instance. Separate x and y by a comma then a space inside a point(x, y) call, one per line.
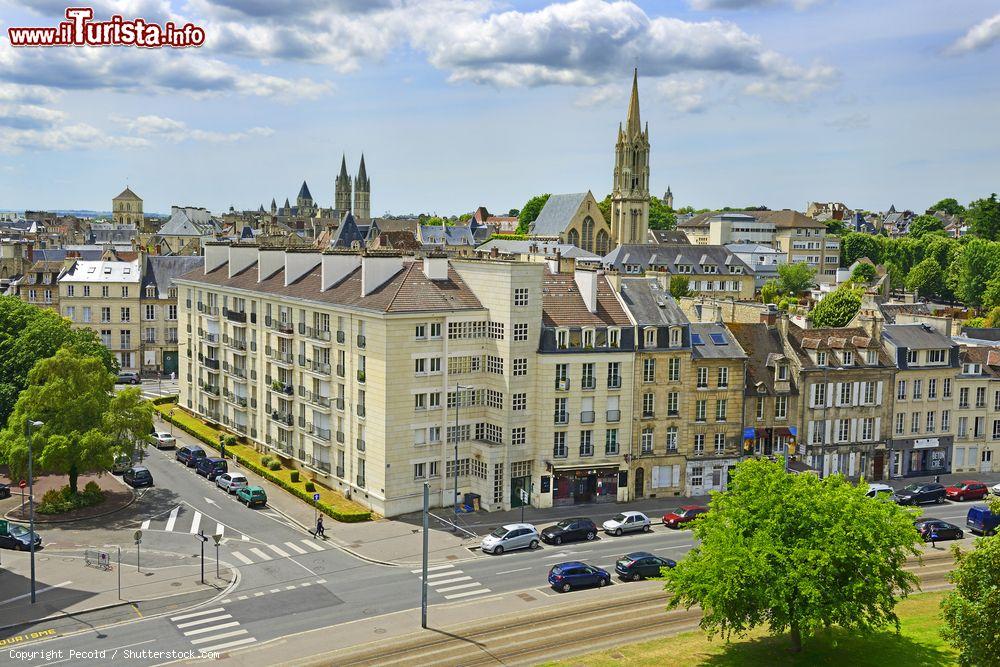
point(342, 191)
point(630, 192)
point(362, 195)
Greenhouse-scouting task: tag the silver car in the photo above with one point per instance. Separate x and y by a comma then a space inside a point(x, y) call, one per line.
point(231, 482)
point(626, 522)
point(510, 537)
point(163, 440)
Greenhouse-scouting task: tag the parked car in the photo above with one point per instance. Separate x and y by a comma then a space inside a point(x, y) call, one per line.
point(878, 490)
point(683, 514)
point(942, 529)
point(570, 530)
point(510, 537)
point(967, 490)
point(211, 467)
point(137, 476)
point(163, 440)
point(574, 574)
point(982, 521)
point(916, 494)
point(641, 565)
point(995, 489)
point(122, 463)
point(231, 482)
point(19, 538)
point(251, 496)
point(189, 455)
point(626, 522)
point(128, 377)
point(4, 491)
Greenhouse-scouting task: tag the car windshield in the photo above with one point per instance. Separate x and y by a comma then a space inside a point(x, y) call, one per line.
point(16, 531)
point(911, 488)
point(257, 493)
point(680, 511)
point(499, 532)
point(564, 524)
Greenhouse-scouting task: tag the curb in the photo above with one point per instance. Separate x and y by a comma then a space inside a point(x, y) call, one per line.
point(336, 544)
point(82, 518)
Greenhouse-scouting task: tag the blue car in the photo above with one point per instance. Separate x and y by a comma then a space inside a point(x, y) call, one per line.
point(565, 577)
point(982, 521)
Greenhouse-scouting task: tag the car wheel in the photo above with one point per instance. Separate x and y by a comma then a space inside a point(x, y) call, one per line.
point(497, 550)
point(939, 499)
point(646, 528)
point(566, 588)
point(557, 540)
point(634, 576)
point(618, 532)
point(533, 545)
point(590, 535)
point(601, 582)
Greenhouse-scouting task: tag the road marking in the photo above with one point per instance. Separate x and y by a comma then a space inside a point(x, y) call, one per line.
point(246, 538)
point(196, 613)
point(289, 588)
point(275, 590)
point(459, 587)
point(195, 523)
point(520, 569)
point(210, 619)
point(242, 597)
point(145, 525)
point(172, 519)
point(201, 631)
point(438, 575)
point(210, 501)
point(220, 529)
point(41, 590)
point(321, 581)
point(466, 594)
point(260, 554)
point(293, 547)
point(304, 584)
point(448, 581)
point(312, 545)
point(214, 638)
point(280, 552)
point(561, 554)
point(258, 594)
point(219, 647)
point(432, 569)
point(242, 558)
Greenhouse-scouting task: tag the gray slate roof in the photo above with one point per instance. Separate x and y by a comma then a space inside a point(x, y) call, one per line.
point(524, 247)
point(709, 349)
point(669, 256)
point(916, 337)
point(160, 271)
point(649, 304)
point(181, 224)
point(556, 214)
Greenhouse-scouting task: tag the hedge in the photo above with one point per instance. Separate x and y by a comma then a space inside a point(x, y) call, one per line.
point(160, 400)
point(208, 437)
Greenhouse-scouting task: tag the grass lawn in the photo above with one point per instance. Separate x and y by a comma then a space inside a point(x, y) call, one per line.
point(328, 497)
point(918, 645)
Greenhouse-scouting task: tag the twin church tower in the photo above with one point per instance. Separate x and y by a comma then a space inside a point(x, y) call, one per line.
point(362, 205)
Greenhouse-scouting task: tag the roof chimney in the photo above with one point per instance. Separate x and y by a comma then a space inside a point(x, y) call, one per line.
point(436, 265)
point(216, 254)
point(769, 316)
point(586, 281)
point(337, 265)
point(377, 269)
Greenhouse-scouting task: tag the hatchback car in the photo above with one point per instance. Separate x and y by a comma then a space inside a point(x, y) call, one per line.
point(128, 377)
point(122, 463)
point(942, 530)
point(137, 476)
point(510, 537)
point(878, 490)
point(19, 538)
point(211, 467)
point(251, 496)
point(641, 565)
point(231, 482)
point(163, 440)
point(967, 490)
point(570, 530)
point(995, 490)
point(574, 574)
point(683, 514)
point(916, 494)
point(626, 522)
point(189, 455)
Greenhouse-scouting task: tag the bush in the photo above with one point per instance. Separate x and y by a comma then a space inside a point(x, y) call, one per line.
point(295, 476)
point(310, 487)
point(266, 461)
point(274, 465)
point(59, 501)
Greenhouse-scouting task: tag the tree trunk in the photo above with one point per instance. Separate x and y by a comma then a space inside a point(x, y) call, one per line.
point(73, 475)
point(796, 636)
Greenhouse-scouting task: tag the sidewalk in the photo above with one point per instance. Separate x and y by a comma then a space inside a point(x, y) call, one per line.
point(66, 585)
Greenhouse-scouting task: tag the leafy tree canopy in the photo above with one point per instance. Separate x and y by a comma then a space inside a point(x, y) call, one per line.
point(863, 273)
point(926, 279)
point(925, 224)
point(514, 212)
point(795, 278)
point(975, 264)
point(128, 421)
point(855, 245)
point(796, 553)
point(983, 218)
point(660, 215)
point(770, 291)
point(529, 212)
point(838, 307)
point(950, 206)
point(679, 286)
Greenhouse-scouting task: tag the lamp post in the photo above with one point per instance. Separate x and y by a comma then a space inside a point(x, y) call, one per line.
point(29, 429)
point(458, 402)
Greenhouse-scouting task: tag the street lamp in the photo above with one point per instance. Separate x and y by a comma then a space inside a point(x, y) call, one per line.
point(458, 402)
point(29, 429)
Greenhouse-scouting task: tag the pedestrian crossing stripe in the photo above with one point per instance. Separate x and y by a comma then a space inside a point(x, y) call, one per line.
point(262, 555)
point(280, 552)
point(446, 574)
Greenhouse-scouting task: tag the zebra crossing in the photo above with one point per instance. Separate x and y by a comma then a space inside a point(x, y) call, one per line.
point(451, 582)
point(212, 630)
point(266, 552)
point(177, 521)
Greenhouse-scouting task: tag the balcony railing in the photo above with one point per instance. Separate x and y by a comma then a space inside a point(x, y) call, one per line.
point(279, 357)
point(360, 444)
point(340, 370)
point(588, 382)
point(614, 415)
point(587, 417)
point(279, 327)
point(210, 388)
point(321, 433)
point(361, 480)
point(315, 334)
point(361, 341)
point(234, 315)
point(341, 337)
point(339, 402)
point(340, 438)
point(361, 377)
point(340, 471)
point(319, 465)
point(317, 399)
point(212, 363)
point(212, 338)
point(321, 367)
point(562, 384)
point(282, 388)
point(282, 417)
point(560, 417)
point(648, 414)
point(361, 411)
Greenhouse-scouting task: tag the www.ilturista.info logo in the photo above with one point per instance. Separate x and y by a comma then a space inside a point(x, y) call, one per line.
point(80, 30)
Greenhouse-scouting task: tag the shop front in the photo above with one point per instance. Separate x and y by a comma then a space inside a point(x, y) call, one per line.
point(584, 485)
point(921, 456)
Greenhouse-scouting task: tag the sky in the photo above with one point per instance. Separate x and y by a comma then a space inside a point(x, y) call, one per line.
point(462, 103)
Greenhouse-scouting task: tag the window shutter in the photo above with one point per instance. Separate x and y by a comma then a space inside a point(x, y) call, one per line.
point(854, 430)
point(856, 397)
point(877, 435)
point(829, 430)
point(829, 395)
point(676, 477)
point(812, 430)
point(878, 393)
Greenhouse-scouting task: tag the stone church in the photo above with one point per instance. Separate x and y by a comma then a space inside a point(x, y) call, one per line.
point(306, 208)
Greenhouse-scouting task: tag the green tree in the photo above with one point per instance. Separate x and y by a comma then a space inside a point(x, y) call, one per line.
point(856, 245)
point(514, 212)
point(926, 279)
point(950, 206)
point(897, 278)
point(128, 421)
point(974, 265)
point(796, 553)
point(69, 393)
point(838, 307)
point(863, 273)
point(605, 207)
point(679, 286)
point(925, 224)
point(992, 318)
point(660, 216)
point(529, 212)
point(983, 218)
point(770, 291)
point(795, 278)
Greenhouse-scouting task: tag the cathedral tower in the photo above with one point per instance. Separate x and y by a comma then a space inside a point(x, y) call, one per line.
point(342, 191)
point(630, 192)
point(362, 194)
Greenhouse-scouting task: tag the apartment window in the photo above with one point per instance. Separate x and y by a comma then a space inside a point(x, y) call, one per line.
point(819, 394)
point(702, 377)
point(648, 370)
point(935, 356)
point(723, 378)
point(614, 375)
point(917, 390)
point(945, 420)
point(843, 430)
point(930, 421)
point(420, 401)
point(105, 292)
point(647, 405)
point(126, 314)
point(435, 363)
point(932, 388)
point(915, 422)
point(673, 409)
point(720, 443)
point(493, 364)
point(782, 372)
point(672, 439)
point(519, 367)
point(901, 390)
point(868, 429)
point(496, 330)
point(646, 441)
point(996, 401)
point(720, 410)
point(821, 358)
point(587, 377)
point(86, 313)
point(911, 357)
point(901, 423)
point(71, 313)
point(869, 393)
point(494, 399)
point(150, 312)
point(86, 290)
point(780, 407)
point(963, 426)
point(420, 366)
point(611, 441)
point(980, 397)
point(586, 443)
point(614, 337)
point(978, 427)
point(420, 331)
point(126, 339)
point(848, 358)
point(846, 393)
point(520, 332)
point(674, 370)
point(588, 339)
point(996, 429)
point(946, 389)
point(871, 357)
point(520, 296)
point(435, 330)
point(675, 337)
point(699, 410)
point(963, 397)
point(105, 314)
point(699, 444)
point(561, 416)
point(518, 436)
point(434, 434)
point(150, 335)
point(419, 470)
point(69, 290)
point(760, 408)
point(519, 402)
point(650, 337)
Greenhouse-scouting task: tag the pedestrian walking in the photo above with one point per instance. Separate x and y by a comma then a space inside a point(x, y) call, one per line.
point(173, 376)
point(320, 531)
point(937, 479)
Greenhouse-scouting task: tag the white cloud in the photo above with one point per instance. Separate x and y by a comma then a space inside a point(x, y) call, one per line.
point(980, 36)
point(854, 121)
point(61, 137)
point(684, 95)
point(28, 116)
point(175, 131)
point(746, 4)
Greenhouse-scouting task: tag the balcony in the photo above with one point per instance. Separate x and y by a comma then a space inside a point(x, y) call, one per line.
point(317, 399)
point(562, 384)
point(211, 338)
point(615, 382)
point(240, 428)
point(360, 444)
point(279, 357)
point(361, 341)
point(315, 334)
point(282, 388)
point(340, 438)
point(282, 328)
point(340, 370)
point(320, 465)
point(235, 343)
point(236, 371)
point(213, 415)
point(235, 315)
point(339, 402)
point(210, 388)
point(614, 415)
point(341, 337)
point(208, 311)
point(318, 367)
point(560, 417)
point(282, 417)
point(587, 417)
point(649, 414)
point(588, 382)
point(321, 433)
point(211, 363)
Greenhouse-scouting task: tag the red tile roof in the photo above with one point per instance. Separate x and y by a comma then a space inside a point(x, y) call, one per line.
point(562, 304)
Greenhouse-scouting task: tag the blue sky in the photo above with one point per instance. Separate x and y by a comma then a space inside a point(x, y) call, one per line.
point(460, 103)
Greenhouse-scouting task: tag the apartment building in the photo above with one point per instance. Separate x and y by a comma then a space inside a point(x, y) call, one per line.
point(39, 285)
point(104, 296)
point(844, 379)
point(927, 362)
point(712, 271)
point(977, 411)
point(158, 311)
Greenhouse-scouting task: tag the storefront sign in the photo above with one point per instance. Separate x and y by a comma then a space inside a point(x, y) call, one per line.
point(925, 443)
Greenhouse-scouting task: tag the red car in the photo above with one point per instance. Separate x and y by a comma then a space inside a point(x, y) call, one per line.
point(967, 490)
point(683, 514)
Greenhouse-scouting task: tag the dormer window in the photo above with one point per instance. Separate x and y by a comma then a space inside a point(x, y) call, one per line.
point(872, 357)
point(935, 356)
point(650, 336)
point(172, 293)
point(150, 291)
point(911, 357)
point(588, 338)
point(614, 337)
point(970, 369)
point(675, 337)
point(782, 371)
point(736, 269)
point(562, 339)
point(821, 358)
point(848, 358)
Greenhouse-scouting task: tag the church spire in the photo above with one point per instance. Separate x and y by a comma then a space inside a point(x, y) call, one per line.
point(362, 175)
point(632, 123)
point(343, 166)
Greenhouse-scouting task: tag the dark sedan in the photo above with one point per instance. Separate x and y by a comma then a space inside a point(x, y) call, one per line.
point(570, 530)
point(4, 491)
point(17, 537)
point(641, 565)
point(917, 494)
point(930, 529)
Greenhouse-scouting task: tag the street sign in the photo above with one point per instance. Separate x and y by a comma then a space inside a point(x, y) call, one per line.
point(524, 496)
point(316, 497)
point(218, 538)
point(137, 535)
point(22, 484)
